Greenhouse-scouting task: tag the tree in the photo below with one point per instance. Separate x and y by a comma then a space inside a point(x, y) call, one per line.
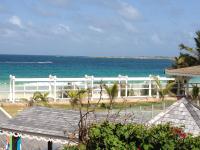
point(189, 56)
point(38, 97)
point(76, 96)
point(163, 91)
point(112, 93)
point(195, 92)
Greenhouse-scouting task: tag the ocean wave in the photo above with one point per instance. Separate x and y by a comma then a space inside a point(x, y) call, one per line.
point(26, 62)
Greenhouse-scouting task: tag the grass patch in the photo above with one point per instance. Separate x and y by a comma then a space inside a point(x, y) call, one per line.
point(14, 109)
point(144, 105)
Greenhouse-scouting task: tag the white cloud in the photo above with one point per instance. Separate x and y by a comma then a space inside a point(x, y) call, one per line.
point(64, 27)
point(156, 39)
point(7, 33)
point(129, 26)
point(15, 20)
point(96, 29)
point(61, 29)
point(128, 11)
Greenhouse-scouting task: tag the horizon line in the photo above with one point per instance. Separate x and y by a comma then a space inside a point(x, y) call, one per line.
point(57, 55)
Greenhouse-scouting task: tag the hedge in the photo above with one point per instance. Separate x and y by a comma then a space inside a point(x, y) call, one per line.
point(116, 136)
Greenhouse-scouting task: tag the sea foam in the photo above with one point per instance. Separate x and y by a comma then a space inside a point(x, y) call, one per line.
point(26, 62)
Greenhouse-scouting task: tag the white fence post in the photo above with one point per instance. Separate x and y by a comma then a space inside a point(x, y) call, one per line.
point(126, 91)
point(150, 87)
point(50, 86)
point(86, 78)
point(62, 92)
point(24, 90)
point(11, 93)
point(74, 87)
point(13, 89)
point(119, 86)
point(157, 93)
point(55, 89)
point(92, 87)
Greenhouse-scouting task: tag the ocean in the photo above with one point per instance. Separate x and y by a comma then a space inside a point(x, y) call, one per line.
point(63, 66)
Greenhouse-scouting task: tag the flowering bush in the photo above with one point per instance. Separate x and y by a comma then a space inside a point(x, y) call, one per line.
point(140, 137)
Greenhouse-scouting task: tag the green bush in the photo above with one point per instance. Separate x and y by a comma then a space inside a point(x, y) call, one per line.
point(103, 105)
point(78, 147)
point(129, 92)
point(195, 92)
point(139, 137)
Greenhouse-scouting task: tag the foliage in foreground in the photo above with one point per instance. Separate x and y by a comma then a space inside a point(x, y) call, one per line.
point(138, 137)
point(119, 136)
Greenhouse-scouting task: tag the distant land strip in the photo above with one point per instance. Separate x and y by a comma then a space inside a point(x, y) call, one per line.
point(139, 57)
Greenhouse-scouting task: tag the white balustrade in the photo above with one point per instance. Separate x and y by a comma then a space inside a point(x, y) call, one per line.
point(53, 85)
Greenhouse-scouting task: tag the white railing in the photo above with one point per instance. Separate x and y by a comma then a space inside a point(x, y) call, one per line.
point(56, 87)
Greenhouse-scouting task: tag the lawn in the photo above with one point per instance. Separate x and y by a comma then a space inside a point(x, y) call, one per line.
point(14, 109)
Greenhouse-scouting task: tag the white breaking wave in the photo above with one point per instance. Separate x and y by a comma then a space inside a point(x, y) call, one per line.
point(24, 62)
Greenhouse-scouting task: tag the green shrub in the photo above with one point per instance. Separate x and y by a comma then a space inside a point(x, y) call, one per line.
point(78, 147)
point(195, 92)
point(135, 136)
point(103, 105)
point(129, 92)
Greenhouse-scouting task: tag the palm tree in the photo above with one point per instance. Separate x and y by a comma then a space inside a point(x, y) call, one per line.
point(76, 96)
point(190, 56)
point(195, 92)
point(38, 97)
point(163, 91)
point(112, 93)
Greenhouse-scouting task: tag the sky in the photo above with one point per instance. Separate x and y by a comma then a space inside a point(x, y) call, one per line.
point(97, 27)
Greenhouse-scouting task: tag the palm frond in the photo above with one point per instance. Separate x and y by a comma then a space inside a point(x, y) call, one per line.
point(184, 47)
point(111, 91)
point(40, 98)
point(114, 91)
point(168, 88)
point(76, 96)
point(158, 82)
point(46, 94)
point(108, 90)
point(170, 85)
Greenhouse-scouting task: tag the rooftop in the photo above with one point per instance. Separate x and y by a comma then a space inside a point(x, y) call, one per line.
point(193, 71)
point(181, 113)
point(45, 122)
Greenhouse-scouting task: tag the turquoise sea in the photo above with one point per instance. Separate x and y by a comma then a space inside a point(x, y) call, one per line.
point(43, 66)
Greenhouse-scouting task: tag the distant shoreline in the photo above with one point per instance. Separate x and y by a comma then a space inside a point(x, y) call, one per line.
point(140, 57)
point(116, 57)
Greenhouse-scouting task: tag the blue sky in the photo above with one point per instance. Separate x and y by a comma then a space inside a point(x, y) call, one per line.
point(97, 27)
